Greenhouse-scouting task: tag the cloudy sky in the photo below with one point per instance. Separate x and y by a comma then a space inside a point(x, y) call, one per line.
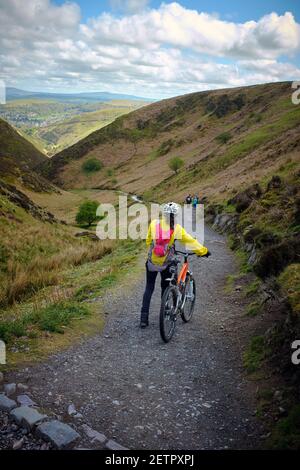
point(147, 48)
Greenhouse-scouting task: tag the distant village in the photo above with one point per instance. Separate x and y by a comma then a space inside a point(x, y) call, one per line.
point(21, 119)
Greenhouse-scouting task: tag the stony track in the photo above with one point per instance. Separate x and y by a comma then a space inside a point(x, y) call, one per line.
point(126, 383)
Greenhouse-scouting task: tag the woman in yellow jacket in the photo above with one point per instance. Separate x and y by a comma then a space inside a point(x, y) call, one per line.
point(161, 238)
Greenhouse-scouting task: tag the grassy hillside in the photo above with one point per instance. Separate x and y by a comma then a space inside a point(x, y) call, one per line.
point(49, 272)
point(18, 160)
point(226, 138)
point(49, 275)
point(14, 147)
point(262, 222)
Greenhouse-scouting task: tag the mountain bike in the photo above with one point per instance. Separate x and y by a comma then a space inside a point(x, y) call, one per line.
point(179, 297)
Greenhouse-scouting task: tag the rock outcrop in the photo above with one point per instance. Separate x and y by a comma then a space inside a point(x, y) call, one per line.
point(20, 199)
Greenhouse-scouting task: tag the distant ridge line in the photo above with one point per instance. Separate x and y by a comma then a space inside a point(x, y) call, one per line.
point(16, 93)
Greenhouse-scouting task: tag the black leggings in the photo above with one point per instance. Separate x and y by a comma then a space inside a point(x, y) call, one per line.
point(150, 284)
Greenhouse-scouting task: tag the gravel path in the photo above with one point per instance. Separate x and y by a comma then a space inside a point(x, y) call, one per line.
point(188, 394)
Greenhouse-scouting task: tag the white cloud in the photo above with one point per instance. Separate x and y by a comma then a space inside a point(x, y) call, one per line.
point(172, 24)
point(131, 6)
point(37, 19)
point(158, 52)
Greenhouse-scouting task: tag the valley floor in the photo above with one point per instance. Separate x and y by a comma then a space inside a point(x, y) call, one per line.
point(189, 394)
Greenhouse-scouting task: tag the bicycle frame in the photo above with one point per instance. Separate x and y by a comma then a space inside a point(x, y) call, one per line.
point(179, 280)
point(183, 272)
point(181, 287)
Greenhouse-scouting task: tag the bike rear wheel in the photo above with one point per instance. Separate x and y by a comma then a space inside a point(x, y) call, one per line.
point(190, 298)
point(167, 317)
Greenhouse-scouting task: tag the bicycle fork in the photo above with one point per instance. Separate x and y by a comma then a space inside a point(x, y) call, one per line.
point(189, 293)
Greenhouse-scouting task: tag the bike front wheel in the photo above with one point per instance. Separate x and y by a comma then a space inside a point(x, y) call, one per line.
point(190, 299)
point(167, 317)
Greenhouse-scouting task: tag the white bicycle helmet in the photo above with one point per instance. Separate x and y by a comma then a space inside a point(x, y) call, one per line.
point(171, 208)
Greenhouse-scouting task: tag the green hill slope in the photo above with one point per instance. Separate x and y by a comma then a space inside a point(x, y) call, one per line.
point(18, 149)
point(19, 158)
point(48, 268)
point(225, 137)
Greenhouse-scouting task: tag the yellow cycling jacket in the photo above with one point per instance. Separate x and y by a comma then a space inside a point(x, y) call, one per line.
point(178, 234)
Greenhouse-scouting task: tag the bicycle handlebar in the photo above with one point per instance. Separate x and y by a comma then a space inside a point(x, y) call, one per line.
point(177, 252)
point(185, 254)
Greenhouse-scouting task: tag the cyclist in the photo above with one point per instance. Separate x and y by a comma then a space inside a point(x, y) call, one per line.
point(161, 238)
